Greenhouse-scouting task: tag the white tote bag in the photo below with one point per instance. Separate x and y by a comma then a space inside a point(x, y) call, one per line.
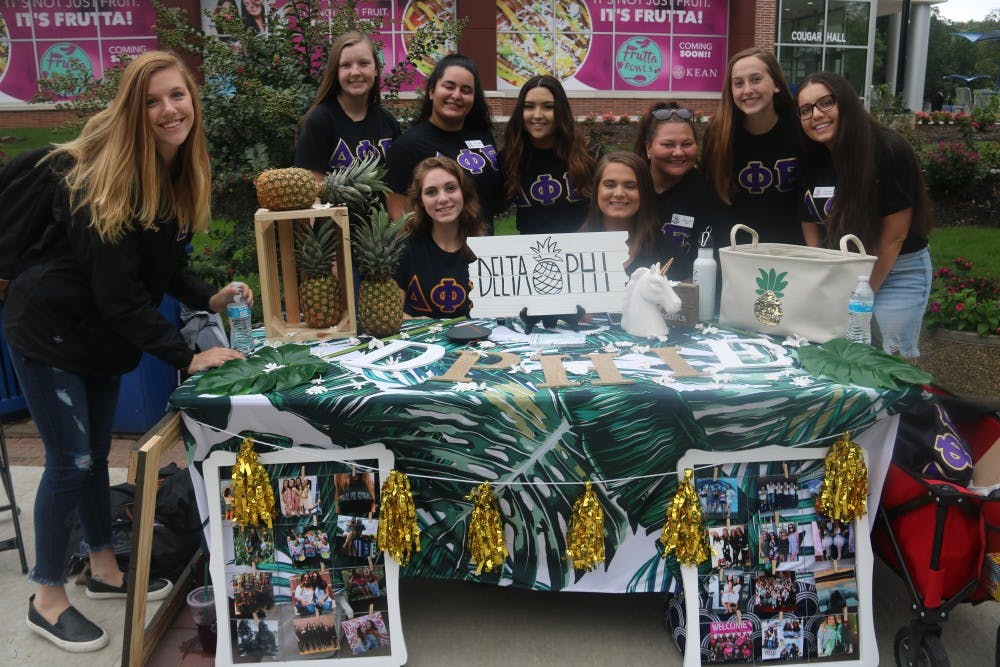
point(784, 290)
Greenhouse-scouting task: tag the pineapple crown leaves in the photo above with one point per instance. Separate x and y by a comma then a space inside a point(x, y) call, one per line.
point(379, 242)
point(316, 247)
point(771, 280)
point(357, 184)
point(546, 247)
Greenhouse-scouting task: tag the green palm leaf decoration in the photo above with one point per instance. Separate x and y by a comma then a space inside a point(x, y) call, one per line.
point(847, 362)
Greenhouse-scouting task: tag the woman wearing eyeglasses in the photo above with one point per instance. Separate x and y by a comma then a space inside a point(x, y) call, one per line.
point(751, 151)
point(865, 180)
point(689, 210)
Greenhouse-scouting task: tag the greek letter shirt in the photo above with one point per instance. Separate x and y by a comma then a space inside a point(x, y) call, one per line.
point(686, 211)
point(330, 139)
point(549, 202)
point(435, 282)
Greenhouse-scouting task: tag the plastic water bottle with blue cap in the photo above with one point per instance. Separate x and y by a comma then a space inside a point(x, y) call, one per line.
point(240, 328)
point(859, 312)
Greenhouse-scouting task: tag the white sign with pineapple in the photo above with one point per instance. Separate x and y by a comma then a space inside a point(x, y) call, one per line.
point(549, 274)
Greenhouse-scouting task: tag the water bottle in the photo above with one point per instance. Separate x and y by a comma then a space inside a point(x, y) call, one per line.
point(704, 276)
point(859, 312)
point(240, 330)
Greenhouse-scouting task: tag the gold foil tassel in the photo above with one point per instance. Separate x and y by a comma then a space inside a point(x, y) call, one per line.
point(683, 534)
point(398, 532)
point(485, 541)
point(253, 497)
point(844, 494)
point(585, 536)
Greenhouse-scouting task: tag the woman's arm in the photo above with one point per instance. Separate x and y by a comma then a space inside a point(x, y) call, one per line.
point(812, 234)
point(895, 227)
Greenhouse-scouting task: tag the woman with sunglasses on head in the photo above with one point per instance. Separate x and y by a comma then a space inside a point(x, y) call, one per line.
point(624, 200)
point(751, 148)
point(864, 179)
point(545, 158)
point(346, 121)
point(689, 211)
point(454, 122)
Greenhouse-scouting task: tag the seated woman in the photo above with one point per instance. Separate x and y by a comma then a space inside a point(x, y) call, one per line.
point(689, 210)
point(624, 200)
point(433, 273)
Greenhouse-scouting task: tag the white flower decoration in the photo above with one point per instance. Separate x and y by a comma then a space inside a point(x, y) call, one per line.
point(519, 368)
point(708, 329)
point(271, 366)
point(435, 328)
point(795, 340)
point(375, 343)
point(404, 336)
point(392, 363)
point(723, 377)
point(315, 390)
point(802, 381)
point(610, 348)
point(486, 344)
point(640, 349)
point(353, 341)
point(662, 339)
point(623, 343)
point(467, 386)
point(317, 380)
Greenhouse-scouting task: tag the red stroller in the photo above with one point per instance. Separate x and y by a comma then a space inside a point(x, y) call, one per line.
point(936, 533)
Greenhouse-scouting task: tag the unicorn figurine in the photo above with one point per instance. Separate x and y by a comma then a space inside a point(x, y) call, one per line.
point(648, 296)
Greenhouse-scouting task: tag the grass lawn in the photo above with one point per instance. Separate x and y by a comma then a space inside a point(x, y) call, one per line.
point(26, 138)
point(977, 244)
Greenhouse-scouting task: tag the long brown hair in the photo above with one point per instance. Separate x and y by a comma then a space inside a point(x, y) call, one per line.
point(859, 140)
point(470, 222)
point(570, 145)
point(117, 174)
point(717, 147)
point(329, 85)
point(641, 237)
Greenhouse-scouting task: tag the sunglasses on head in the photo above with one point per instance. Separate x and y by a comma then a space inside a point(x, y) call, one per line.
point(667, 114)
point(824, 103)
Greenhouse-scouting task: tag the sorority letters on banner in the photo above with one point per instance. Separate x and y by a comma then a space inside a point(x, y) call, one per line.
point(314, 585)
point(783, 583)
point(548, 274)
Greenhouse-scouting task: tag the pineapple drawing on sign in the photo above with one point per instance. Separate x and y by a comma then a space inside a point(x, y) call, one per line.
point(546, 277)
point(767, 306)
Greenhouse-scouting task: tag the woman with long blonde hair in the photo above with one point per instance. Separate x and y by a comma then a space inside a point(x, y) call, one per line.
point(128, 194)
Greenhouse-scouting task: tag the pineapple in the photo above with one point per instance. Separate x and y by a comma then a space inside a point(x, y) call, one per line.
point(547, 277)
point(286, 189)
point(357, 185)
point(767, 306)
point(377, 246)
point(319, 290)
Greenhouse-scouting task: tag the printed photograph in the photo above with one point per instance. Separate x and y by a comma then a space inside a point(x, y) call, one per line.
point(364, 584)
point(730, 592)
point(252, 594)
point(357, 538)
point(299, 496)
point(354, 493)
point(316, 635)
point(788, 545)
point(729, 641)
point(837, 635)
point(836, 541)
point(365, 633)
point(255, 639)
point(719, 498)
point(781, 639)
point(730, 547)
point(252, 545)
point(308, 547)
point(837, 591)
point(228, 499)
point(774, 593)
point(313, 593)
point(777, 492)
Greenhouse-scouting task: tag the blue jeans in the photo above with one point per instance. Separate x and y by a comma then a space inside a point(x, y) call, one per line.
point(901, 301)
point(74, 414)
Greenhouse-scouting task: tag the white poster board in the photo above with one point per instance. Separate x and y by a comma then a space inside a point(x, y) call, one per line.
point(830, 576)
point(548, 274)
point(356, 620)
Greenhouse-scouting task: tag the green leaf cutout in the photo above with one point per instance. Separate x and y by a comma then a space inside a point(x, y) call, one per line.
point(269, 369)
point(847, 362)
point(762, 281)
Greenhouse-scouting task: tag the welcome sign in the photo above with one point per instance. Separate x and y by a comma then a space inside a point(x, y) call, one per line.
point(549, 274)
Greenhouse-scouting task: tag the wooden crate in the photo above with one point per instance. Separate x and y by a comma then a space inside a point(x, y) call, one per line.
point(280, 293)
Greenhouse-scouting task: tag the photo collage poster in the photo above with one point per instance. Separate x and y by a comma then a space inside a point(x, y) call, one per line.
point(313, 585)
point(782, 584)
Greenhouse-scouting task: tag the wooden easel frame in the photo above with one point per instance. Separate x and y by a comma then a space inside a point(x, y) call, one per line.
point(144, 466)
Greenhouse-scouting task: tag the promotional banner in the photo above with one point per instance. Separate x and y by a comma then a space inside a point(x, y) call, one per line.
point(633, 45)
point(39, 38)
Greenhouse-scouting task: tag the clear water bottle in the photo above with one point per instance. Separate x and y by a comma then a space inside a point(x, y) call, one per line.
point(240, 329)
point(859, 312)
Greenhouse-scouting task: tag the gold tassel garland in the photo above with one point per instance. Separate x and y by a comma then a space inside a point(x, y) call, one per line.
point(682, 531)
point(253, 497)
point(844, 494)
point(398, 532)
point(585, 535)
point(485, 541)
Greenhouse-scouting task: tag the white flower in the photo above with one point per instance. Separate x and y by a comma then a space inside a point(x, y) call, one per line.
point(623, 343)
point(486, 344)
point(375, 343)
point(795, 340)
point(432, 339)
point(610, 348)
point(317, 380)
point(392, 362)
point(353, 341)
point(662, 339)
point(802, 381)
point(519, 368)
point(723, 377)
point(435, 328)
point(271, 366)
point(403, 335)
point(536, 355)
point(708, 329)
point(640, 349)
point(316, 390)
point(465, 386)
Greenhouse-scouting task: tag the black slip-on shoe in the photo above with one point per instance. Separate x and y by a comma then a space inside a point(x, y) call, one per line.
point(157, 590)
point(72, 632)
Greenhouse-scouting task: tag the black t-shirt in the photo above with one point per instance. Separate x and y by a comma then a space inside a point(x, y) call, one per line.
point(329, 139)
point(895, 174)
point(686, 212)
point(435, 282)
point(765, 177)
point(549, 202)
point(474, 150)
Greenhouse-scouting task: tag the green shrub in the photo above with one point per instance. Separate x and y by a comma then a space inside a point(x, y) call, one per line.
point(962, 301)
point(951, 168)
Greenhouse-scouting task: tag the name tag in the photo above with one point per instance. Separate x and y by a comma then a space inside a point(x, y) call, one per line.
point(679, 220)
point(474, 143)
point(823, 192)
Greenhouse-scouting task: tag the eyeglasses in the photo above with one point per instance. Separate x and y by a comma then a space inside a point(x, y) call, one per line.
point(824, 103)
point(667, 114)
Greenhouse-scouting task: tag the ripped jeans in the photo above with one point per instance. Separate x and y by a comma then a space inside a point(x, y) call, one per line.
point(74, 414)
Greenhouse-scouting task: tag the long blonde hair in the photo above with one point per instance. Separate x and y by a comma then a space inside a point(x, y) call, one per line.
point(117, 174)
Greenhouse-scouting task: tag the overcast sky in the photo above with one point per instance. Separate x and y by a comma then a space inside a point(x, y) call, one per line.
point(967, 10)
